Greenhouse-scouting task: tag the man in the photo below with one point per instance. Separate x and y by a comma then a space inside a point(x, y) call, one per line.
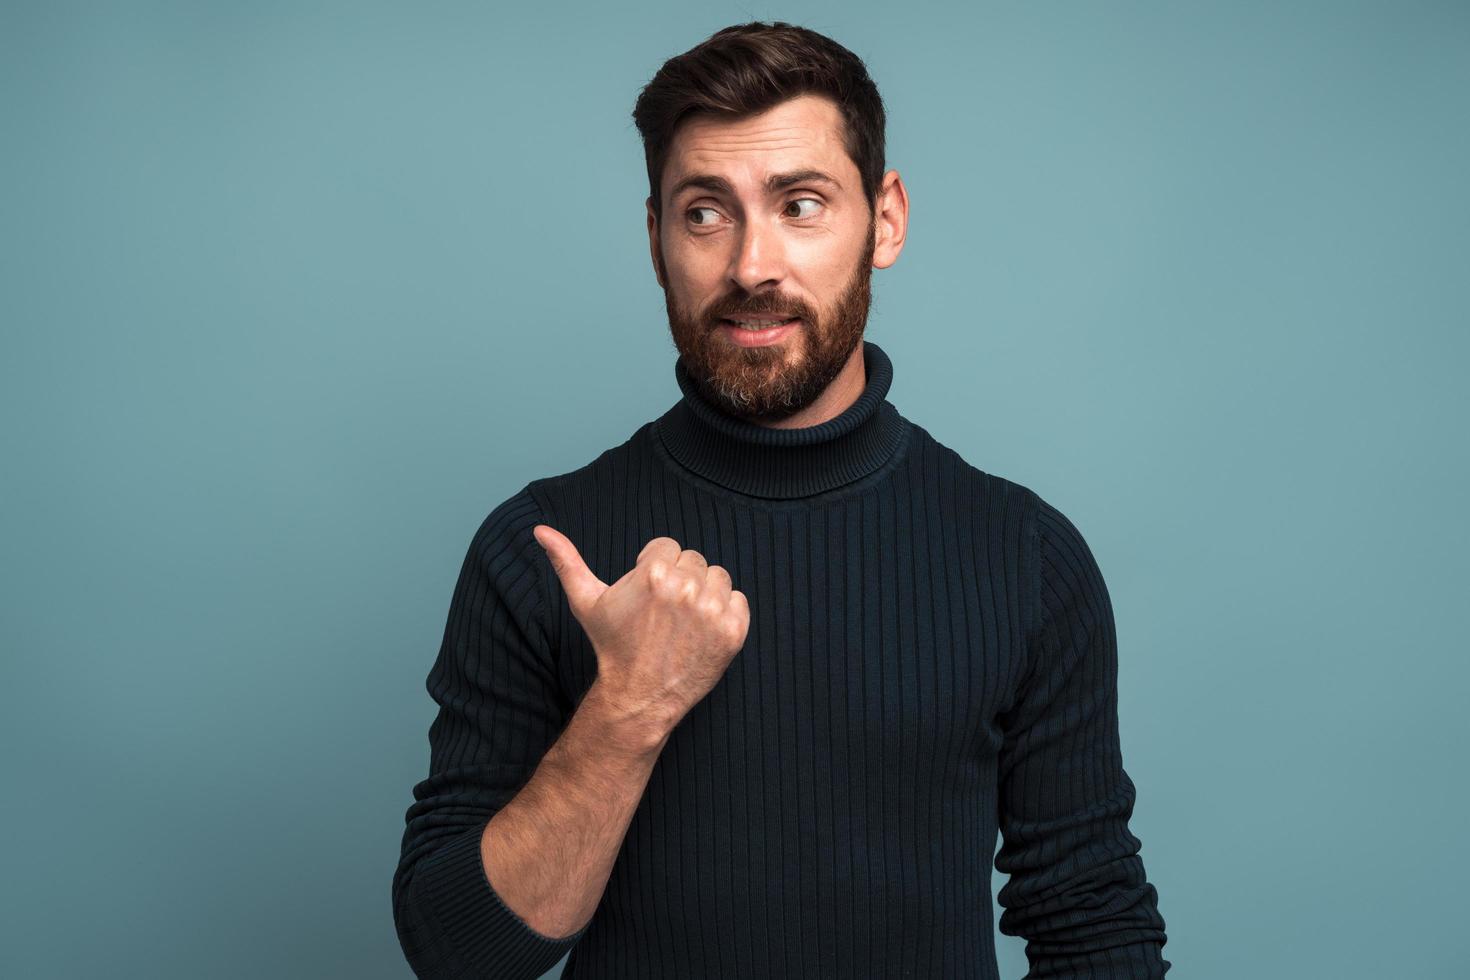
point(834, 660)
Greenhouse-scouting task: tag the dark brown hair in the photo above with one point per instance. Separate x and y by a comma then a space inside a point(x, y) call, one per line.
point(749, 68)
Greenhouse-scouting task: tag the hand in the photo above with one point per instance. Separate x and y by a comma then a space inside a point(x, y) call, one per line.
point(664, 633)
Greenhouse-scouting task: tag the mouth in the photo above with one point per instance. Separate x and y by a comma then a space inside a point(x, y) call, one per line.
point(763, 322)
point(763, 331)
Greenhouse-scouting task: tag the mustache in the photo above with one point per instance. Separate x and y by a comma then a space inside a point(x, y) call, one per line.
point(735, 307)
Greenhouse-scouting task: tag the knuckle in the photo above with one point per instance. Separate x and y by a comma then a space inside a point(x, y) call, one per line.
point(669, 585)
point(657, 570)
point(735, 634)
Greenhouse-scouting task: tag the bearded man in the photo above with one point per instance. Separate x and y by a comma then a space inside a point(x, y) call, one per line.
point(754, 693)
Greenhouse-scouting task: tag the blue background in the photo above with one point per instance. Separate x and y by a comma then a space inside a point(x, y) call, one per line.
point(293, 294)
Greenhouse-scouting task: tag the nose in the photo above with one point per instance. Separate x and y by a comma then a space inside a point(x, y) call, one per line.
point(760, 257)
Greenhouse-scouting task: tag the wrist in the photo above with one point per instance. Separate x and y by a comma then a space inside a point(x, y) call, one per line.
point(639, 731)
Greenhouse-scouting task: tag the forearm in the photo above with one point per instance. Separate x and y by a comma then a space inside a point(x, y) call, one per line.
point(548, 852)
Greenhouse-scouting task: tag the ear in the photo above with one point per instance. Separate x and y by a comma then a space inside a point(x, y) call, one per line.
point(654, 251)
point(891, 215)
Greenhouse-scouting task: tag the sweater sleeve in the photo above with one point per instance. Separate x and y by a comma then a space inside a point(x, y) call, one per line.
point(500, 709)
point(1077, 891)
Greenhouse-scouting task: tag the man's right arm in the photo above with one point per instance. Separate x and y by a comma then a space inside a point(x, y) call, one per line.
point(515, 832)
point(512, 837)
point(549, 852)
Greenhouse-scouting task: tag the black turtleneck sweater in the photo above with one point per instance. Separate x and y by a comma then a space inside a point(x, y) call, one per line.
point(931, 660)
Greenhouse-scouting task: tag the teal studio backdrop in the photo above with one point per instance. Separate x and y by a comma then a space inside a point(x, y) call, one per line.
point(294, 294)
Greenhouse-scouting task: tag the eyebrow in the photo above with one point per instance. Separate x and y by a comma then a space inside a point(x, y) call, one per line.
point(775, 182)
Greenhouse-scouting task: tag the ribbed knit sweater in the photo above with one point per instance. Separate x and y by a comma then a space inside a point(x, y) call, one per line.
point(931, 660)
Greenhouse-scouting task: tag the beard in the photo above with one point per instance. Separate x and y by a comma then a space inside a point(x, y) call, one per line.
point(770, 383)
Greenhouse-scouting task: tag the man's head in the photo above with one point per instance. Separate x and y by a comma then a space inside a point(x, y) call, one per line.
point(768, 200)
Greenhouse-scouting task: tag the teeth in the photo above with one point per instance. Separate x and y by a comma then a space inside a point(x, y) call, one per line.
point(757, 324)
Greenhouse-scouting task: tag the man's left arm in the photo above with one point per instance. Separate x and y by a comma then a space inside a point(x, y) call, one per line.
point(1077, 892)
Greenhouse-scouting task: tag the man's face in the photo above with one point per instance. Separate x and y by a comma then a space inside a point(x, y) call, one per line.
point(764, 219)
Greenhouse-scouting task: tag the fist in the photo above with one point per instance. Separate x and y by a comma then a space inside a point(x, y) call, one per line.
point(664, 634)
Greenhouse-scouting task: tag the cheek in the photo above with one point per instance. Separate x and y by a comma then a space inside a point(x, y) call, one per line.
point(692, 272)
point(822, 264)
point(824, 280)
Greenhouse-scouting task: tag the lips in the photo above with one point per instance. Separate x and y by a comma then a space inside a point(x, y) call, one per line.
point(763, 336)
point(766, 320)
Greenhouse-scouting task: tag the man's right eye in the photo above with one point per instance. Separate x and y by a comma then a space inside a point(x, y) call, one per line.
point(694, 211)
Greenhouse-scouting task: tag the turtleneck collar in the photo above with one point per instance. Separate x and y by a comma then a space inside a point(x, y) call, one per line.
point(760, 461)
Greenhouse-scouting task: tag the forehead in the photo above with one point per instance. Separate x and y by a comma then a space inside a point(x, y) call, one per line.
point(800, 133)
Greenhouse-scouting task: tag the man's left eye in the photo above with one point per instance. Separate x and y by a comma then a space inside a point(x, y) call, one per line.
point(799, 200)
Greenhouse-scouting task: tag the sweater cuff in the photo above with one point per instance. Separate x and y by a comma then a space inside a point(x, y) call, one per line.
point(487, 937)
point(1143, 960)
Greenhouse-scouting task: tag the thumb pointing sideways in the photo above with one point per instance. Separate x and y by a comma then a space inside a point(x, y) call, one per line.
point(581, 586)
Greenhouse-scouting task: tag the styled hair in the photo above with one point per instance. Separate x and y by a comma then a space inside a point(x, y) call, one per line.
point(749, 68)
